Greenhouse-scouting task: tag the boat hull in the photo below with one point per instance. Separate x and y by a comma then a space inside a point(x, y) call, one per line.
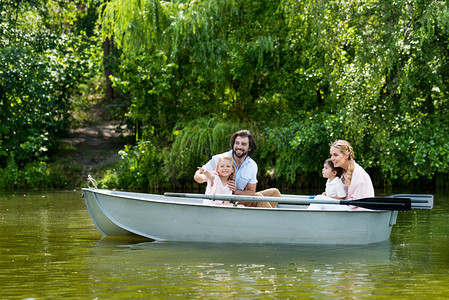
point(188, 220)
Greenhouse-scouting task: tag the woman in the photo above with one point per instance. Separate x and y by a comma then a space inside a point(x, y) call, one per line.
point(356, 180)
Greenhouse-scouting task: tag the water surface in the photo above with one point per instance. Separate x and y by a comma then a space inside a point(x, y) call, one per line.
point(51, 249)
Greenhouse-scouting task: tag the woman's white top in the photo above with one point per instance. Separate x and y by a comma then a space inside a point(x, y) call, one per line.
point(361, 185)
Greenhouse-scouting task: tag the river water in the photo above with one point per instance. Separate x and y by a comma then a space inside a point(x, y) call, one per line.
point(51, 249)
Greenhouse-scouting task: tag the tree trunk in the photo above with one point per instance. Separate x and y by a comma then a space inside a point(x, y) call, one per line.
point(108, 47)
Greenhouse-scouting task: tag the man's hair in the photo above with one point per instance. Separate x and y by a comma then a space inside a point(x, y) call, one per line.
point(252, 141)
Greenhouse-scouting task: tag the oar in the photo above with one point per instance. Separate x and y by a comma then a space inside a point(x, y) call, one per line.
point(419, 201)
point(378, 203)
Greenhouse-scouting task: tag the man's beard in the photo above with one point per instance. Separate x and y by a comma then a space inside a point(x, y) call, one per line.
point(241, 154)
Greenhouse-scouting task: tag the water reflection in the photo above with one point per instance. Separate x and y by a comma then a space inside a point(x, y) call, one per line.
point(255, 254)
point(51, 249)
point(243, 269)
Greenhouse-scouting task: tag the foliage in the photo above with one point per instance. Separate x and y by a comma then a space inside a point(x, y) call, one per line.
point(298, 148)
point(140, 169)
point(298, 73)
point(46, 52)
point(195, 144)
point(144, 167)
point(303, 72)
point(38, 174)
point(192, 62)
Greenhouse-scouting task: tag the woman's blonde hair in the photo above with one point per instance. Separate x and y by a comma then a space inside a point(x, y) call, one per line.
point(346, 149)
point(223, 158)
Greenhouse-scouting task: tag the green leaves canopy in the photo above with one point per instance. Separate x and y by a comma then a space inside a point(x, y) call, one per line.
point(302, 72)
point(44, 56)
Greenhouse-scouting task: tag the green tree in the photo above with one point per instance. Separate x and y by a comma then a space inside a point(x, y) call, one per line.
point(301, 73)
point(46, 52)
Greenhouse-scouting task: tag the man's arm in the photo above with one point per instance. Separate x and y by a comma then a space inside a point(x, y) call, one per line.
point(249, 190)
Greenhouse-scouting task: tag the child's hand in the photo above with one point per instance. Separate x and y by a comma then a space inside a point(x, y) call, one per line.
point(202, 171)
point(206, 173)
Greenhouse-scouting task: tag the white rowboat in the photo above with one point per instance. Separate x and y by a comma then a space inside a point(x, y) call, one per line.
point(165, 218)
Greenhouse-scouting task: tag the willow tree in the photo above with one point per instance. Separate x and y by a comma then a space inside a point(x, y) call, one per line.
point(301, 72)
point(185, 59)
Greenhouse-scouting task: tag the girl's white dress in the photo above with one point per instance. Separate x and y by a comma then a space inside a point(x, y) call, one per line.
point(335, 188)
point(217, 189)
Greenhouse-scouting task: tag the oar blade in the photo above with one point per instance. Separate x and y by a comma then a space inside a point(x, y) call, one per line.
point(383, 203)
point(419, 201)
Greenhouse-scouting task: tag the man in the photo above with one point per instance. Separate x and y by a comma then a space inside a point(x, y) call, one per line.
point(243, 146)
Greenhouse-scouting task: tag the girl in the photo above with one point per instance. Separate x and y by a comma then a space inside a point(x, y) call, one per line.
point(355, 178)
point(334, 186)
point(218, 183)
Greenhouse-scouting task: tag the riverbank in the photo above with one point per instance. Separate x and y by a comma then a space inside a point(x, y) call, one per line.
point(91, 147)
point(94, 148)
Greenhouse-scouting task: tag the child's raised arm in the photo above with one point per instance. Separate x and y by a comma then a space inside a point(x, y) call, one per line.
point(207, 174)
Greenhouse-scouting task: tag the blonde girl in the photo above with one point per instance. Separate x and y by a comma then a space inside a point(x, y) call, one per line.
point(218, 183)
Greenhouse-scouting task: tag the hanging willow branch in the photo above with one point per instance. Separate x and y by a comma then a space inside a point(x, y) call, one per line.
point(150, 25)
point(196, 29)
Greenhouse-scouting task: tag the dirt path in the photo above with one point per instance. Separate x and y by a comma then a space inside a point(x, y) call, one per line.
point(95, 147)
